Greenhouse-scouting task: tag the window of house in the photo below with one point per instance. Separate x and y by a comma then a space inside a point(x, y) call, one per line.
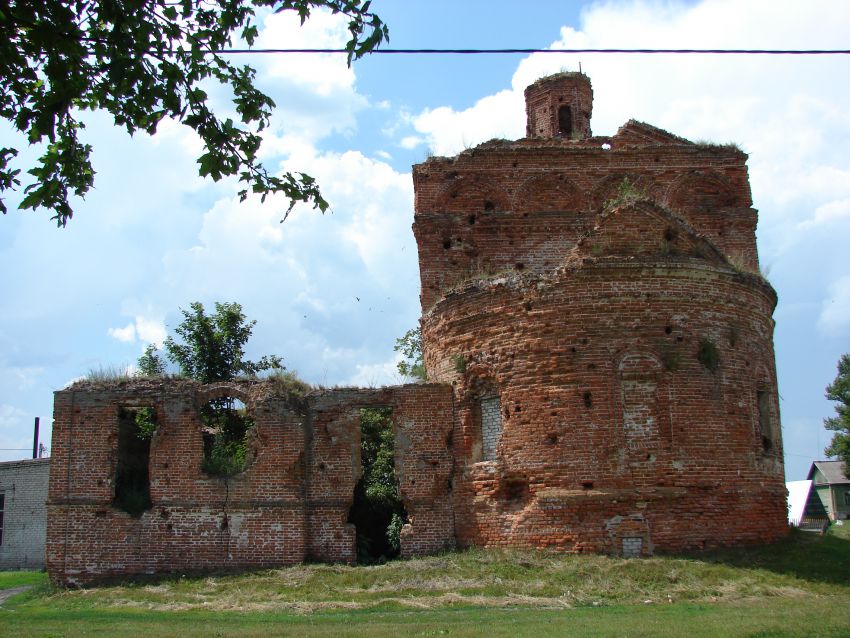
point(491, 426)
point(846, 499)
point(2, 508)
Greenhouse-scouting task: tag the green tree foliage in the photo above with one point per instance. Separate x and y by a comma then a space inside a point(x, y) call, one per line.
point(142, 61)
point(213, 346)
point(150, 363)
point(410, 346)
point(377, 512)
point(839, 391)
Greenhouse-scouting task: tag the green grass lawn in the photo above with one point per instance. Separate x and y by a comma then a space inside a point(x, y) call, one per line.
point(799, 587)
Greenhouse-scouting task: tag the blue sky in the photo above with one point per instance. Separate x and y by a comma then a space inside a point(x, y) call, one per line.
point(152, 237)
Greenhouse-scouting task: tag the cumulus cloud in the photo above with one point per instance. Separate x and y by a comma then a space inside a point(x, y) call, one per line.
point(126, 334)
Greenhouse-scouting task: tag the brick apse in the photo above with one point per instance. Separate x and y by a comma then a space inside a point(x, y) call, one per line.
point(599, 345)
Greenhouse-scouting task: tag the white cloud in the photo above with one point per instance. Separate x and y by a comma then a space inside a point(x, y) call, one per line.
point(410, 142)
point(828, 213)
point(378, 374)
point(126, 334)
point(448, 131)
point(150, 330)
point(834, 319)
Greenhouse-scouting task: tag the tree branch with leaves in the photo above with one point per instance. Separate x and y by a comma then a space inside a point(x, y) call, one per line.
point(142, 61)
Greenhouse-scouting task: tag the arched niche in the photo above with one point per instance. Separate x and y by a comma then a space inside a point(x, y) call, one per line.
point(549, 193)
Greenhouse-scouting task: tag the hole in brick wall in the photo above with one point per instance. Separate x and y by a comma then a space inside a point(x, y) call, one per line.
point(471, 219)
point(377, 512)
point(708, 354)
point(514, 487)
point(517, 408)
point(551, 438)
point(668, 330)
point(527, 305)
point(513, 164)
point(225, 523)
point(519, 266)
point(591, 366)
point(525, 214)
point(163, 514)
point(565, 121)
point(572, 349)
point(587, 485)
point(489, 206)
point(447, 243)
point(226, 431)
point(587, 397)
point(136, 426)
point(765, 419)
point(450, 440)
point(669, 234)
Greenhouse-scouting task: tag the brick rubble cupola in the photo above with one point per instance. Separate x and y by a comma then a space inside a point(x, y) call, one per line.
point(559, 105)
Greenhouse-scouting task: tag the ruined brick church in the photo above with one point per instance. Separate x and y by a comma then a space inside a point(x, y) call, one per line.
point(599, 348)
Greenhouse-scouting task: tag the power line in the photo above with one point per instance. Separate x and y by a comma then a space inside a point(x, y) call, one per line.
point(527, 51)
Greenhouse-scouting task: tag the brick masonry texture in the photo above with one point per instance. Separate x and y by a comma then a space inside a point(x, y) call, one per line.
point(23, 485)
point(601, 294)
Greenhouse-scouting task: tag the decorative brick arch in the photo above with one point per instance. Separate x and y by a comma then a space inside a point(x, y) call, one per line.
point(551, 192)
point(702, 190)
point(608, 188)
point(472, 194)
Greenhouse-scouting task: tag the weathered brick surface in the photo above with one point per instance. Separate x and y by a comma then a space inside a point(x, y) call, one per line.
point(290, 504)
point(23, 485)
point(621, 329)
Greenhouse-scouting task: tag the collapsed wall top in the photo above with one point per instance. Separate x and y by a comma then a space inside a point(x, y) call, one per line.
point(559, 105)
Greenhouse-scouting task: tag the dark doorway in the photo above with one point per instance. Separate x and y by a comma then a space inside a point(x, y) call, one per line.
point(377, 512)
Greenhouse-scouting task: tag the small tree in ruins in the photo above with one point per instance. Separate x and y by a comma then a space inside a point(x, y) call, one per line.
point(839, 391)
point(212, 348)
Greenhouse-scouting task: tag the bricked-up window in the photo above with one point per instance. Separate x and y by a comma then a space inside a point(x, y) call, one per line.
point(2, 509)
point(491, 426)
point(765, 419)
point(565, 121)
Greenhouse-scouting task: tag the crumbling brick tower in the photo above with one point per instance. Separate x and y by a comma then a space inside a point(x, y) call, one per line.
point(597, 305)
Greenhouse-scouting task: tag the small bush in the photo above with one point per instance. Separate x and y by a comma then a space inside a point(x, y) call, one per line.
point(459, 363)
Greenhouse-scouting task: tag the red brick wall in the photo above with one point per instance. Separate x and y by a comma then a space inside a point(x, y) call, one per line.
point(290, 504)
point(521, 206)
point(608, 413)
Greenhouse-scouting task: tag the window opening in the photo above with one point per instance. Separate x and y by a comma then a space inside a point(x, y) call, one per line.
point(136, 426)
point(2, 509)
point(491, 426)
point(226, 430)
point(565, 121)
point(765, 421)
point(846, 501)
point(377, 512)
